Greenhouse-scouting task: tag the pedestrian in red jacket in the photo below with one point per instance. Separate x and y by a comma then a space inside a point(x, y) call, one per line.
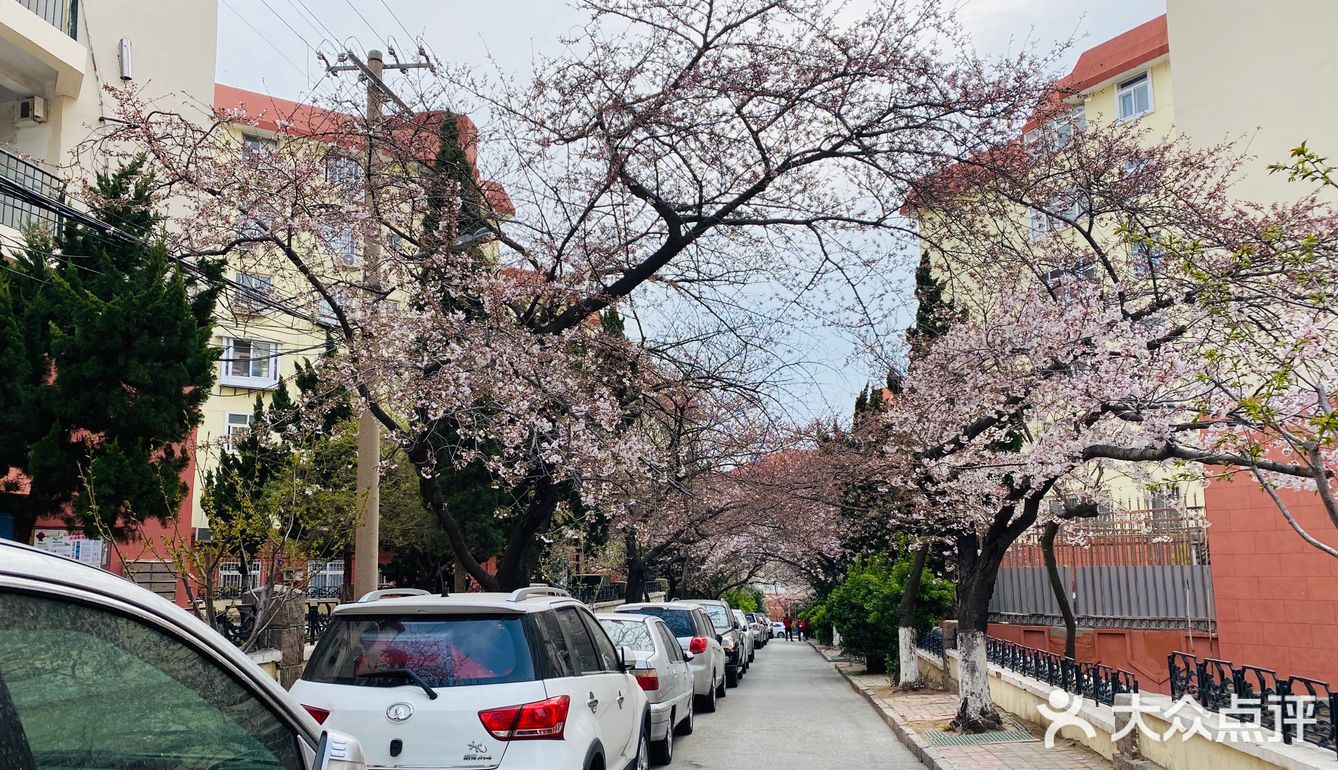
point(788, 623)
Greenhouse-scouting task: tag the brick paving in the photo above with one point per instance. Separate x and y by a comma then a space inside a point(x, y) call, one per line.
point(922, 711)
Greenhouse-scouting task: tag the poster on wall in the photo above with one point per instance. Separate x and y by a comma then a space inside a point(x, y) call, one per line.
point(73, 545)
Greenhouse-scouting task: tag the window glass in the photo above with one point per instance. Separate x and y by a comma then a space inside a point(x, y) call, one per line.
point(444, 651)
point(609, 659)
point(704, 627)
point(1134, 97)
point(679, 621)
point(629, 633)
point(251, 358)
point(719, 617)
point(97, 690)
point(557, 657)
point(585, 657)
point(671, 647)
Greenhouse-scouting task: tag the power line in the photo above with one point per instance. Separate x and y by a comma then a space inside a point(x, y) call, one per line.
point(397, 21)
point(293, 29)
point(262, 37)
point(370, 28)
point(317, 20)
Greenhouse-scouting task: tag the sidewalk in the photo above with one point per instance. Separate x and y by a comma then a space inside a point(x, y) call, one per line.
point(920, 720)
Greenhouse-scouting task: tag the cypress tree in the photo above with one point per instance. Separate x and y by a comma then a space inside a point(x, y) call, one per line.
point(109, 343)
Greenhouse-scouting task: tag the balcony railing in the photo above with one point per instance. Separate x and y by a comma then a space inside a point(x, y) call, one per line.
point(15, 211)
point(61, 14)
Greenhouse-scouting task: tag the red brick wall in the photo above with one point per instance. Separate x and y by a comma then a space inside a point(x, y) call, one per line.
point(1276, 595)
point(1140, 652)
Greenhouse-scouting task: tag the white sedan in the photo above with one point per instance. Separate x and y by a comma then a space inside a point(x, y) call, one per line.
point(777, 629)
point(662, 671)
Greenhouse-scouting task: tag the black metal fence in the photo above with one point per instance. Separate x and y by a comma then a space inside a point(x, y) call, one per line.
point(1307, 708)
point(18, 213)
point(1095, 681)
point(930, 641)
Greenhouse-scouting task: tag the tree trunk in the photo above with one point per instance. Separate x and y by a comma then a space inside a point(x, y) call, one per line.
point(635, 576)
point(978, 561)
point(1060, 590)
point(909, 663)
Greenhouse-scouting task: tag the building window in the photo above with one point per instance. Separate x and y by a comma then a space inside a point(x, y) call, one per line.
point(252, 293)
point(1069, 206)
point(342, 170)
point(250, 364)
point(238, 423)
point(1147, 257)
point(258, 146)
point(1134, 97)
point(345, 247)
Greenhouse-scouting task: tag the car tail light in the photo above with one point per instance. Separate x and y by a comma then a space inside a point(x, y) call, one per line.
point(698, 645)
point(318, 714)
point(541, 720)
point(648, 678)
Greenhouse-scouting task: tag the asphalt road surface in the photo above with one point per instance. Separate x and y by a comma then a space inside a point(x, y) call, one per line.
point(792, 710)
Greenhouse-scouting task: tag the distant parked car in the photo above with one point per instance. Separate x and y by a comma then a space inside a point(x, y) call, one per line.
point(758, 627)
point(777, 630)
point(749, 642)
point(98, 673)
point(697, 637)
point(528, 679)
point(731, 635)
point(662, 669)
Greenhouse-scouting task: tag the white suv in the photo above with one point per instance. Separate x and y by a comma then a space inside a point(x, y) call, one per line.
point(521, 680)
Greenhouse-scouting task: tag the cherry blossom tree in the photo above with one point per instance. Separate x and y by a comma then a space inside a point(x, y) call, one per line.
point(680, 147)
point(1121, 316)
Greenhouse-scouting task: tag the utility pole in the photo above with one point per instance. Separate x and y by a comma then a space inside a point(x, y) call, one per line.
point(367, 538)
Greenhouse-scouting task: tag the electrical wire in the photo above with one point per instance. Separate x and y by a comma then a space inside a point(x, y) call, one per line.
point(411, 36)
point(376, 35)
point(269, 42)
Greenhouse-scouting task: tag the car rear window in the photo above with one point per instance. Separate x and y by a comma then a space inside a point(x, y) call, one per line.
point(719, 618)
point(443, 651)
point(628, 633)
point(679, 621)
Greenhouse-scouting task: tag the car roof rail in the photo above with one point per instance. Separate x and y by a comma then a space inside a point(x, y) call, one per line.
point(383, 593)
point(538, 589)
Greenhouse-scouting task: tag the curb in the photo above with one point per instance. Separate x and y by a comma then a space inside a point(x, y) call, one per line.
point(928, 755)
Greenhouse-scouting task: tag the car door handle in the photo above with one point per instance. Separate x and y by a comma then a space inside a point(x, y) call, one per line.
point(620, 699)
point(593, 703)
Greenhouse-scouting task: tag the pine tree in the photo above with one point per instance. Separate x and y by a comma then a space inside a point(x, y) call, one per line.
point(110, 342)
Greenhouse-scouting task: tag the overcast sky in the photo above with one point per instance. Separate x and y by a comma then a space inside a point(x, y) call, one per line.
point(270, 45)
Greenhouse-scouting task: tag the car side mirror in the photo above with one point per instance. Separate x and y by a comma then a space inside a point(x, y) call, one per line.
point(339, 751)
point(720, 638)
point(629, 658)
point(687, 657)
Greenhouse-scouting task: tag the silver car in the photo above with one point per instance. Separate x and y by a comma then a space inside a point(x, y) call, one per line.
point(696, 637)
point(749, 641)
point(153, 686)
point(663, 672)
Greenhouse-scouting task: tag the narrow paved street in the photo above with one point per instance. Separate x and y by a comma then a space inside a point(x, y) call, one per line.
point(792, 711)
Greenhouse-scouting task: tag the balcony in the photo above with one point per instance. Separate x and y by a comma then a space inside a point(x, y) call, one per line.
point(39, 55)
point(15, 211)
point(61, 14)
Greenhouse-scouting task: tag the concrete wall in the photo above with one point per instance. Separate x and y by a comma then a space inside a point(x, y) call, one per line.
point(1141, 652)
point(1277, 596)
point(1022, 697)
point(1261, 72)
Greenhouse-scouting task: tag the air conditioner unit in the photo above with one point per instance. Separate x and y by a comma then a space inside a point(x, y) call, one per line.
point(204, 535)
point(33, 108)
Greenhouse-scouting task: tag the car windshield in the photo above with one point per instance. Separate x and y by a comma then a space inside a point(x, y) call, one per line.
point(719, 617)
point(679, 621)
point(442, 651)
point(629, 633)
